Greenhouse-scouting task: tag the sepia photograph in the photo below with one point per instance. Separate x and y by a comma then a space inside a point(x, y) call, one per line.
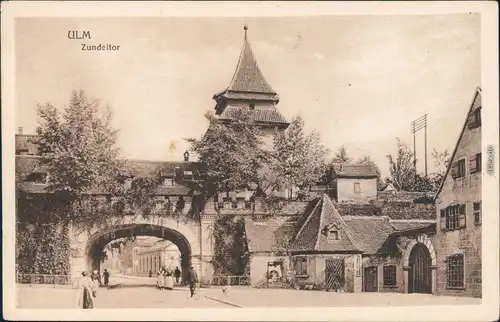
point(238, 160)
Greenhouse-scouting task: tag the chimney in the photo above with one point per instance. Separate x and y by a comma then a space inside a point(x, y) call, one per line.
point(20, 130)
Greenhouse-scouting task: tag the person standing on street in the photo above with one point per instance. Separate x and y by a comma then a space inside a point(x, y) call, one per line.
point(192, 279)
point(106, 277)
point(85, 294)
point(177, 274)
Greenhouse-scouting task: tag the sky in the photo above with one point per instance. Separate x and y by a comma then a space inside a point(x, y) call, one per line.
point(357, 80)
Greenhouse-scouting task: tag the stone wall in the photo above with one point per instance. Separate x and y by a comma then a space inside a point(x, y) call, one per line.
point(466, 241)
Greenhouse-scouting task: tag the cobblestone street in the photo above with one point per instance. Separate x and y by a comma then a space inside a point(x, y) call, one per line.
point(138, 294)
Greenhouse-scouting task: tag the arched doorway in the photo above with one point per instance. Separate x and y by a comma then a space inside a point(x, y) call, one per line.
point(98, 241)
point(420, 271)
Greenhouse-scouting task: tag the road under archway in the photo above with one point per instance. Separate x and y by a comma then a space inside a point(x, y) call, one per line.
point(98, 241)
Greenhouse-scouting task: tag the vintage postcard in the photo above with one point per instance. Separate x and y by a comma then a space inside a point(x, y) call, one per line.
point(250, 161)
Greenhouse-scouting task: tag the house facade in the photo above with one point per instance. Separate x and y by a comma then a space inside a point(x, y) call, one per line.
point(459, 213)
point(152, 258)
point(354, 183)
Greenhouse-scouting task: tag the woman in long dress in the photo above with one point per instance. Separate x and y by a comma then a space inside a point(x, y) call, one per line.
point(85, 294)
point(169, 279)
point(160, 281)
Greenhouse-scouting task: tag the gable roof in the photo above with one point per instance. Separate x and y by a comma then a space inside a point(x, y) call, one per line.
point(267, 236)
point(248, 82)
point(475, 103)
point(354, 171)
point(371, 232)
point(311, 237)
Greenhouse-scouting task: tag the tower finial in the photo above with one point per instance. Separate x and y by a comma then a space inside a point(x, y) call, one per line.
point(245, 27)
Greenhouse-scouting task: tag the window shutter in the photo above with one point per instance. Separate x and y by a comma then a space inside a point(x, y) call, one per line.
point(442, 220)
point(473, 164)
point(462, 216)
point(454, 170)
point(471, 122)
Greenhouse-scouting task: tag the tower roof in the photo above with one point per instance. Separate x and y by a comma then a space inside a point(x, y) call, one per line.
point(248, 82)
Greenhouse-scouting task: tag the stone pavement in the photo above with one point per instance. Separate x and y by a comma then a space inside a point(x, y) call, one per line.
point(138, 296)
point(108, 298)
point(290, 297)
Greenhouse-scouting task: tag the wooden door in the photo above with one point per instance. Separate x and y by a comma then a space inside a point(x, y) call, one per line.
point(334, 274)
point(370, 279)
point(420, 274)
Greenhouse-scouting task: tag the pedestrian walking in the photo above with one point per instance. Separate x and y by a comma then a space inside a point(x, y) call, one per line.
point(192, 279)
point(105, 275)
point(95, 282)
point(85, 294)
point(177, 274)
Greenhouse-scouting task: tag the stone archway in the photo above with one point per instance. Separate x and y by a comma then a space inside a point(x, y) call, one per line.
point(419, 265)
point(97, 242)
point(185, 234)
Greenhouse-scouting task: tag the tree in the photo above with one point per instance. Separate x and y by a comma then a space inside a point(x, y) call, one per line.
point(79, 153)
point(341, 156)
point(403, 173)
point(79, 149)
point(231, 152)
point(298, 160)
point(441, 162)
point(368, 161)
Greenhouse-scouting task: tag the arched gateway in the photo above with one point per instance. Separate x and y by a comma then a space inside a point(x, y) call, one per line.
point(187, 235)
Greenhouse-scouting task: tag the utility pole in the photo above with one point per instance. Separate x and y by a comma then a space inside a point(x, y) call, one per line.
point(417, 125)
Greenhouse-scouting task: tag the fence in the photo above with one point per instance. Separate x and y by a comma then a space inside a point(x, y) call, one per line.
point(46, 279)
point(231, 280)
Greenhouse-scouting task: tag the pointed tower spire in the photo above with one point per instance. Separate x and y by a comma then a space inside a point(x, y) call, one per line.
point(248, 82)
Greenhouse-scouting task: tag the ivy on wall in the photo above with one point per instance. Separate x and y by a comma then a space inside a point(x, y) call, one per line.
point(231, 255)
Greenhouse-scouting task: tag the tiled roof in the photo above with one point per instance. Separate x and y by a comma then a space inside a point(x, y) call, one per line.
point(248, 79)
point(371, 233)
point(259, 115)
point(354, 171)
point(311, 236)
point(406, 225)
point(267, 236)
point(26, 165)
point(159, 245)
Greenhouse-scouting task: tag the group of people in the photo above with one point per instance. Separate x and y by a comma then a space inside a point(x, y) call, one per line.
point(88, 288)
point(165, 279)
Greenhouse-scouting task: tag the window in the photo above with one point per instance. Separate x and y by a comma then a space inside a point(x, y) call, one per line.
point(475, 163)
point(159, 204)
point(301, 266)
point(455, 271)
point(453, 217)
point(333, 234)
point(477, 213)
point(390, 276)
point(475, 118)
point(168, 182)
point(357, 187)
